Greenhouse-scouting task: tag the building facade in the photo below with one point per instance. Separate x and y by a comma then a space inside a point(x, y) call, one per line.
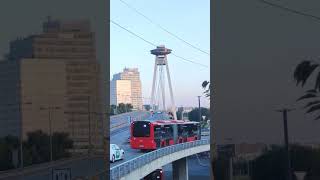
point(120, 92)
point(133, 75)
point(66, 74)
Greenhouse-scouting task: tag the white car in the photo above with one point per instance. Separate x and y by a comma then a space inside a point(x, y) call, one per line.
point(116, 153)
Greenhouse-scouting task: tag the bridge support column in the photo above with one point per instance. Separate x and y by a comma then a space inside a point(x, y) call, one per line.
point(180, 169)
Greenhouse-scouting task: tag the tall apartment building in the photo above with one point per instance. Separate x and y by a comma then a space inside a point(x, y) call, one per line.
point(133, 75)
point(62, 61)
point(120, 92)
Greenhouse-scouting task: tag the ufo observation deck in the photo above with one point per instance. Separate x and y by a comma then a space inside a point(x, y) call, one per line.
point(161, 50)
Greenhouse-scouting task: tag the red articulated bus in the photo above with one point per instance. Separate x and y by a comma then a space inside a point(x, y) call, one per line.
point(151, 135)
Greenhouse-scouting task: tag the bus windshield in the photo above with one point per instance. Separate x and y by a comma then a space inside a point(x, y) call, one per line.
point(141, 129)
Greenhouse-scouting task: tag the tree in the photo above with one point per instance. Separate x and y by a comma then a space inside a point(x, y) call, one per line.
point(147, 107)
point(194, 114)
point(271, 164)
point(121, 108)
point(129, 107)
point(113, 109)
point(302, 73)
point(221, 169)
point(207, 86)
point(37, 147)
point(62, 143)
point(179, 113)
point(8, 144)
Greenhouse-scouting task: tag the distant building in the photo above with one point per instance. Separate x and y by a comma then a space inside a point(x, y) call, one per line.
point(120, 92)
point(57, 68)
point(133, 75)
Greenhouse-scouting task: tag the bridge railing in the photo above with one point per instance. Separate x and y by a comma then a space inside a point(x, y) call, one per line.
point(121, 120)
point(120, 170)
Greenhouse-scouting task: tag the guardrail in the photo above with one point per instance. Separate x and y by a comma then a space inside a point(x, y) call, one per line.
point(120, 170)
point(123, 119)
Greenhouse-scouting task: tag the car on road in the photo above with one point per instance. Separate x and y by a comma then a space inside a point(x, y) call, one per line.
point(116, 153)
point(155, 175)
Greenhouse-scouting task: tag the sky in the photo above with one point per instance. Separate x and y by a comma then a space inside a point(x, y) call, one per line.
point(256, 50)
point(189, 20)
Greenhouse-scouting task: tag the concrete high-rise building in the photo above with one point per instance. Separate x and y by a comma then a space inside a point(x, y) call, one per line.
point(120, 92)
point(133, 75)
point(57, 68)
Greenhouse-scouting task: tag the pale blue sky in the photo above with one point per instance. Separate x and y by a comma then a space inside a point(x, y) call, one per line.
point(189, 20)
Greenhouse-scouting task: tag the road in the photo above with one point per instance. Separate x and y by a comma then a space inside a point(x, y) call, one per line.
point(120, 135)
point(196, 171)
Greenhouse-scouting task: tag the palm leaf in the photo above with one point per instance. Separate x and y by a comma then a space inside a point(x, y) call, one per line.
point(205, 83)
point(311, 103)
point(317, 118)
point(314, 108)
point(307, 96)
point(312, 91)
point(303, 72)
point(308, 71)
point(317, 86)
point(298, 71)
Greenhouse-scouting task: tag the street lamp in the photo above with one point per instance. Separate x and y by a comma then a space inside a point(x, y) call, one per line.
point(286, 141)
point(50, 109)
point(21, 130)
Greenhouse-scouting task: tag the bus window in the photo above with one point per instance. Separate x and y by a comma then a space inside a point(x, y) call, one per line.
point(180, 129)
point(190, 130)
point(157, 132)
point(168, 131)
point(141, 129)
point(184, 130)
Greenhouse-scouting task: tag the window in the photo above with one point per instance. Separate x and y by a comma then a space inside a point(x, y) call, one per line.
point(141, 129)
point(157, 132)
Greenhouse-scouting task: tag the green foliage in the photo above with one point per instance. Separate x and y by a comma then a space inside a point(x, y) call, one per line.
point(147, 107)
point(221, 168)
point(61, 143)
point(179, 113)
point(194, 114)
point(7, 145)
point(113, 109)
point(302, 73)
point(38, 147)
point(121, 108)
point(207, 86)
point(272, 164)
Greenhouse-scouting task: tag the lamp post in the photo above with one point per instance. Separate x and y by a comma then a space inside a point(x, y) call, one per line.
point(286, 140)
point(199, 113)
point(21, 129)
point(50, 109)
point(72, 122)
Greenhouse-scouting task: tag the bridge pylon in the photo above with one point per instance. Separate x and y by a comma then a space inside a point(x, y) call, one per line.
point(158, 83)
